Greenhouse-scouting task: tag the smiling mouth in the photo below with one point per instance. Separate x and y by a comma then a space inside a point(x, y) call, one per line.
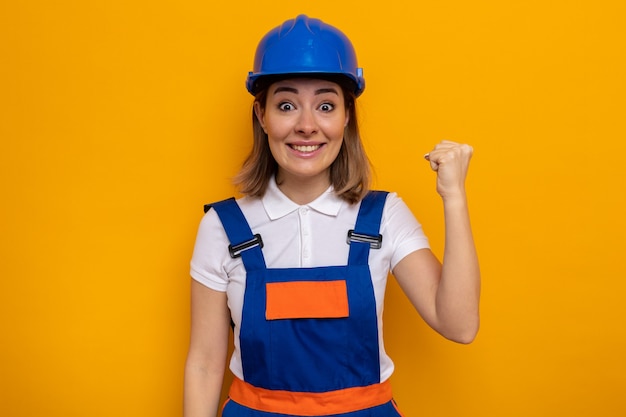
point(305, 148)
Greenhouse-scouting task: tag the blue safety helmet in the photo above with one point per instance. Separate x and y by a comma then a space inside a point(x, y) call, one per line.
point(307, 47)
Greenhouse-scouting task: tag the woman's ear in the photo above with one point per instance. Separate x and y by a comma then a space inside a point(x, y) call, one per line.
point(259, 112)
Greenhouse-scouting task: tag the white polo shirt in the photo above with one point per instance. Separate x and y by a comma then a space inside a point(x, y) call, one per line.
point(295, 236)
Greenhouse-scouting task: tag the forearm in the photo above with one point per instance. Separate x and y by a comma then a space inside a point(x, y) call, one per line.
point(458, 292)
point(203, 387)
point(208, 349)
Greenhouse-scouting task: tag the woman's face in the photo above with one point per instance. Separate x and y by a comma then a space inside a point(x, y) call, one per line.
point(304, 120)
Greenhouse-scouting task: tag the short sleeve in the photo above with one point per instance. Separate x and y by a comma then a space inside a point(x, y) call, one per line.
point(210, 254)
point(401, 226)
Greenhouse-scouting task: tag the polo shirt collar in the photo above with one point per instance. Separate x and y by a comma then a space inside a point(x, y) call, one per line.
point(277, 204)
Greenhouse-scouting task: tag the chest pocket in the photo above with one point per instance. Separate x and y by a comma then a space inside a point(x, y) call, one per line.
point(306, 299)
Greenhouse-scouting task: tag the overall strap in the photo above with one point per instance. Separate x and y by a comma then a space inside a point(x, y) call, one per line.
point(243, 243)
point(366, 233)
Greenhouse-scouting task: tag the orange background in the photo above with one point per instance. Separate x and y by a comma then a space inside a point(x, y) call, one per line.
point(120, 119)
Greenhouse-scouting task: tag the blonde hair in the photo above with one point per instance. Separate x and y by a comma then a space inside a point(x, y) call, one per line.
point(350, 173)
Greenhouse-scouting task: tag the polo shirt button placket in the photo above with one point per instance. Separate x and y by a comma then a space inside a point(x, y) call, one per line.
point(306, 239)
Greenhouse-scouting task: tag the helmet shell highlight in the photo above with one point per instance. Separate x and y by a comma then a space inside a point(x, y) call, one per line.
point(308, 47)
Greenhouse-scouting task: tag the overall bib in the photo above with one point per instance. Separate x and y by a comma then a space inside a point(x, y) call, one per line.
point(308, 336)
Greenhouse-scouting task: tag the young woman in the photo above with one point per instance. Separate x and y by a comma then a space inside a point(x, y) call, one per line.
point(298, 266)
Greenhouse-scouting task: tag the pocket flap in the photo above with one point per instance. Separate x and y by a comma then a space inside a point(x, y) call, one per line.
point(306, 299)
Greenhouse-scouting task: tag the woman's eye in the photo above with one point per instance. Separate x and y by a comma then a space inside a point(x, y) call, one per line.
point(285, 106)
point(326, 107)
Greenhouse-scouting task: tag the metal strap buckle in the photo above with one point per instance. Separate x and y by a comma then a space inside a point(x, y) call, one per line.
point(375, 241)
point(235, 251)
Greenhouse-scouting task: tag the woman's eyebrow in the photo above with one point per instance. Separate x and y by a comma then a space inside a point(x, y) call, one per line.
point(326, 90)
point(287, 89)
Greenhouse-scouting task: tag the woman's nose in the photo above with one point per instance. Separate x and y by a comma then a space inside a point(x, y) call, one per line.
point(306, 123)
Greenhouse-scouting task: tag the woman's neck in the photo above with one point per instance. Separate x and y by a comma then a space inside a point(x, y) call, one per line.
point(302, 190)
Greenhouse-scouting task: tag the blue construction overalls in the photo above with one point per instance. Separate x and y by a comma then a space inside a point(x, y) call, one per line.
point(308, 336)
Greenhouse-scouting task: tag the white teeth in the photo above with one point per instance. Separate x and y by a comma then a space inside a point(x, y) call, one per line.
point(307, 148)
